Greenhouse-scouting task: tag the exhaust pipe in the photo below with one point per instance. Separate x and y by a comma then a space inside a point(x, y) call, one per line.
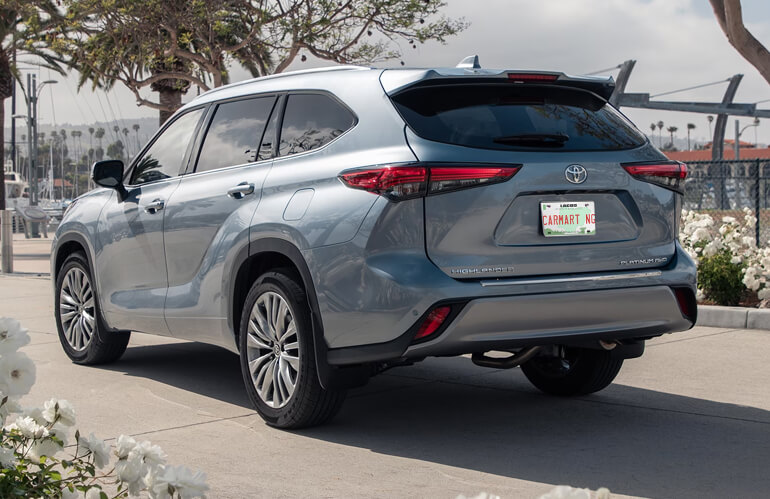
point(514, 360)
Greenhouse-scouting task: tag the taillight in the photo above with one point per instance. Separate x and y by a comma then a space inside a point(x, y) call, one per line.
point(531, 77)
point(432, 322)
point(669, 174)
point(399, 182)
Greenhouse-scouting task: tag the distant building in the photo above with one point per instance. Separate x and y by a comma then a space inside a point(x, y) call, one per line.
point(748, 150)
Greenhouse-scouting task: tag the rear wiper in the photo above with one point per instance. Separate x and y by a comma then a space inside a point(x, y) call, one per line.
point(534, 139)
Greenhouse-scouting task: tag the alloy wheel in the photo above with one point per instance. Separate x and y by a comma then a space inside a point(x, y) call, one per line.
point(272, 348)
point(76, 309)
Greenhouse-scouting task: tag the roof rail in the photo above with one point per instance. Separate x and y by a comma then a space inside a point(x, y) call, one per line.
point(282, 75)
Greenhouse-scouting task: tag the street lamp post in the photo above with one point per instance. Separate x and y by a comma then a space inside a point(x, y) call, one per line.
point(738, 133)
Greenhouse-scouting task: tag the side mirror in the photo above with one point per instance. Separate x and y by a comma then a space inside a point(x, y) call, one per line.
point(109, 173)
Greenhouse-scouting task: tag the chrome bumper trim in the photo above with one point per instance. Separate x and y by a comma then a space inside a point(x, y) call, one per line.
point(602, 277)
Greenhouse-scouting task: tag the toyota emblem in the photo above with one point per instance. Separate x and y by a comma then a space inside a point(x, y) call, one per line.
point(576, 174)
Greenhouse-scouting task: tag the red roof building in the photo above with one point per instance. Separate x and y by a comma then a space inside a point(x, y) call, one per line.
point(728, 154)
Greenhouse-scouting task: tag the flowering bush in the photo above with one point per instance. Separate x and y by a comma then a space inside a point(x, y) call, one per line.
point(728, 259)
point(33, 446)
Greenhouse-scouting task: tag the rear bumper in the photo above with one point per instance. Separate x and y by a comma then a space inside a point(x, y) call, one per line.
point(565, 318)
point(507, 322)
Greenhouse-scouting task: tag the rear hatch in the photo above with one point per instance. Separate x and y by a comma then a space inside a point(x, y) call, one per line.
point(590, 193)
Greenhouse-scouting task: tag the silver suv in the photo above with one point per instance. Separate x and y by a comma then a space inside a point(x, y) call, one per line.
point(330, 224)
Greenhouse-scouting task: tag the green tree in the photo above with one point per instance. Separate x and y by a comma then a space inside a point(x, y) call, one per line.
point(168, 45)
point(25, 27)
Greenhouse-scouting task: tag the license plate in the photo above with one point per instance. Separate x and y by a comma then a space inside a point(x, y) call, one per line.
point(573, 218)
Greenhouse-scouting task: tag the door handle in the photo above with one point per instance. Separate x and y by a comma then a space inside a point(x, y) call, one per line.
point(240, 190)
point(155, 206)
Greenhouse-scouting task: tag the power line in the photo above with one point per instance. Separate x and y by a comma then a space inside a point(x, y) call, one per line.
point(690, 88)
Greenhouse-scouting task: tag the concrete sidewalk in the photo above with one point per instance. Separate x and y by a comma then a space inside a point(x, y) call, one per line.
point(31, 256)
point(689, 419)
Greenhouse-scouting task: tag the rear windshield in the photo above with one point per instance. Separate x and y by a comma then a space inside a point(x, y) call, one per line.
point(515, 116)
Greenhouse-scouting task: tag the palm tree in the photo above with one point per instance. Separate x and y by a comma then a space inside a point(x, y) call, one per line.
point(99, 134)
point(672, 130)
point(116, 129)
point(690, 127)
point(76, 134)
point(660, 133)
point(16, 35)
point(125, 134)
point(652, 127)
point(710, 119)
point(136, 131)
point(91, 137)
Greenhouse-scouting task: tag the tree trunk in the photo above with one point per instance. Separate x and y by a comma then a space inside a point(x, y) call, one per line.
point(730, 17)
point(170, 99)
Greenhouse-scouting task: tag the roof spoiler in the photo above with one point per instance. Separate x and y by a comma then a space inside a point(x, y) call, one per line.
point(397, 80)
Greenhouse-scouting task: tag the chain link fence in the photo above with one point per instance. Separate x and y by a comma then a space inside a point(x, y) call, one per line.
point(726, 188)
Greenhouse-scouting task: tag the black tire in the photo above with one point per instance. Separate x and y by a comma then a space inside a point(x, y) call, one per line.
point(309, 404)
point(103, 346)
point(578, 371)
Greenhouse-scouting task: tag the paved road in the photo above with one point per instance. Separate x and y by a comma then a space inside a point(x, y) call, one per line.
point(689, 419)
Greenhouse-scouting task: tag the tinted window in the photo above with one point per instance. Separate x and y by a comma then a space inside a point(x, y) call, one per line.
point(312, 120)
point(509, 116)
point(234, 134)
point(164, 157)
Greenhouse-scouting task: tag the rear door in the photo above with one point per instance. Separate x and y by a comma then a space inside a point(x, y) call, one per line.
point(210, 212)
point(571, 207)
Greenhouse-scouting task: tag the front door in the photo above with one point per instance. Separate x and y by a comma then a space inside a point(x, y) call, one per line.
point(131, 264)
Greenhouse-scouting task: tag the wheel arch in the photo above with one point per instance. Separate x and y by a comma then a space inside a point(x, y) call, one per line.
point(67, 244)
point(267, 254)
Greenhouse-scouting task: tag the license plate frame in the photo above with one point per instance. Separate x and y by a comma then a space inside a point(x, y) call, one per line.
point(568, 218)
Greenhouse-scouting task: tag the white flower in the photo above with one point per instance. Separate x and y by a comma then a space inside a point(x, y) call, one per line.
point(60, 408)
point(98, 448)
point(152, 454)
point(17, 373)
point(763, 294)
point(736, 259)
point(7, 457)
point(12, 335)
point(728, 220)
point(179, 480)
point(124, 445)
point(132, 471)
point(28, 427)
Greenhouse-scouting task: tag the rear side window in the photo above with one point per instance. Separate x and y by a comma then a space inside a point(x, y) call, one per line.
point(312, 120)
point(234, 134)
point(510, 116)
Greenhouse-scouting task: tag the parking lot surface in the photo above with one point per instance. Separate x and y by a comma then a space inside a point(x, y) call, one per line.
point(689, 419)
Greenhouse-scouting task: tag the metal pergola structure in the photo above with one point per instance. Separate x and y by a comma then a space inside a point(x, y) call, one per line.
point(722, 109)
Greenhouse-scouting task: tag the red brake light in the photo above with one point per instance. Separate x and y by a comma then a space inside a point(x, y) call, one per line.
point(393, 182)
point(443, 179)
point(531, 77)
point(432, 322)
point(669, 174)
point(399, 182)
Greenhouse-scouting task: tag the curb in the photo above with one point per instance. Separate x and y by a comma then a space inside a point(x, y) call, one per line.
point(733, 317)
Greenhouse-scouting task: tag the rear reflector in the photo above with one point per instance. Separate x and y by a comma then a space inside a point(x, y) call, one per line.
point(432, 322)
point(687, 303)
point(669, 174)
point(399, 182)
point(531, 77)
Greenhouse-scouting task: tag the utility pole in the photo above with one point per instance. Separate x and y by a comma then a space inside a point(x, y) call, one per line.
point(6, 219)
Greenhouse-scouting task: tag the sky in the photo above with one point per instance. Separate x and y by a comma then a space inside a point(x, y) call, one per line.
point(676, 43)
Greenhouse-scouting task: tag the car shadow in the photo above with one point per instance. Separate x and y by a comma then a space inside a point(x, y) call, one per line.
point(632, 440)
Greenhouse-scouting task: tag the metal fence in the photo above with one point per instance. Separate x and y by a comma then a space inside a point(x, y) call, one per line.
point(725, 188)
